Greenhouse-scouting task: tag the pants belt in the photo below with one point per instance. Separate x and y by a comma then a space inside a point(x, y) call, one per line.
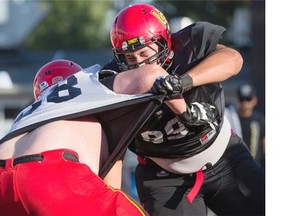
point(194, 189)
point(38, 157)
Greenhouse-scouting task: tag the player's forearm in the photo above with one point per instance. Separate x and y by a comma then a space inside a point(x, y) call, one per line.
point(177, 105)
point(140, 80)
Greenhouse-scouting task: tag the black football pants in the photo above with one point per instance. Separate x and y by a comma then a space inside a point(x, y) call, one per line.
point(235, 185)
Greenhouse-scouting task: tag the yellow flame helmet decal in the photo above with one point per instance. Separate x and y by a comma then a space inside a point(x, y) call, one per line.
point(160, 16)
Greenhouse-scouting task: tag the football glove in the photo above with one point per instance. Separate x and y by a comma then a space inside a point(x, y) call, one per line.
point(172, 85)
point(199, 114)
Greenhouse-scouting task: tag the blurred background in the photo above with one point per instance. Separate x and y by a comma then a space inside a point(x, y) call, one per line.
point(34, 32)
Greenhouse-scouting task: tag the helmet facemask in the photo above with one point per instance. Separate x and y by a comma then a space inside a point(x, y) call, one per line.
point(163, 56)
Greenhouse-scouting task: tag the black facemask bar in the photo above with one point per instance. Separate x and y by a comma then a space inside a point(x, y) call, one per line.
point(164, 56)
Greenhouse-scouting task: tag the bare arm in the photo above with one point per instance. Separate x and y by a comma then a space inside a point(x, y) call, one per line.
point(114, 176)
point(140, 80)
point(220, 65)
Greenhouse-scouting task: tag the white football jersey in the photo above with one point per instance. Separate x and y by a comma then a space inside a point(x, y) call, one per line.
point(78, 95)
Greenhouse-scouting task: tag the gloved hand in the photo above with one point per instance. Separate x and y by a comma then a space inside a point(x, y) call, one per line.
point(172, 85)
point(199, 114)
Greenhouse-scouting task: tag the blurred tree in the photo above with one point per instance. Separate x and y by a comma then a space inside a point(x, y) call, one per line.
point(215, 11)
point(73, 24)
point(76, 24)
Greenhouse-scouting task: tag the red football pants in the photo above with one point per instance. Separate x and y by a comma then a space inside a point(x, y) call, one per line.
point(56, 186)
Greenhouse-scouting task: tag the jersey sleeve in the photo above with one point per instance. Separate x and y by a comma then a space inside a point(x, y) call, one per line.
point(108, 81)
point(193, 43)
point(112, 65)
point(205, 36)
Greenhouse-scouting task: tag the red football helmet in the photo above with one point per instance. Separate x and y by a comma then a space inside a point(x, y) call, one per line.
point(51, 73)
point(137, 26)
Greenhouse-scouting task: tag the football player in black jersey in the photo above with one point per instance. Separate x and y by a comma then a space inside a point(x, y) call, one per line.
point(190, 160)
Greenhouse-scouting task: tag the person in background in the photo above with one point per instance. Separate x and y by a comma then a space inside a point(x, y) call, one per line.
point(232, 116)
point(128, 174)
point(188, 160)
point(252, 122)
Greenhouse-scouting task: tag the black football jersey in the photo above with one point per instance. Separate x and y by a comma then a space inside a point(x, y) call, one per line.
point(164, 135)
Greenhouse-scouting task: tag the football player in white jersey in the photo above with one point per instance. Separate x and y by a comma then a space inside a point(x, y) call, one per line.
point(51, 158)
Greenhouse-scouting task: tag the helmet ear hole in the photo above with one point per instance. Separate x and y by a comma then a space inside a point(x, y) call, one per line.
point(52, 73)
point(137, 26)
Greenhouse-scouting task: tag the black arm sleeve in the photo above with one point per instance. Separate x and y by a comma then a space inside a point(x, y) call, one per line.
point(112, 65)
point(108, 81)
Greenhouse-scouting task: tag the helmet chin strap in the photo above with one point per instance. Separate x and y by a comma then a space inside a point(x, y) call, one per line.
point(168, 61)
point(166, 64)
